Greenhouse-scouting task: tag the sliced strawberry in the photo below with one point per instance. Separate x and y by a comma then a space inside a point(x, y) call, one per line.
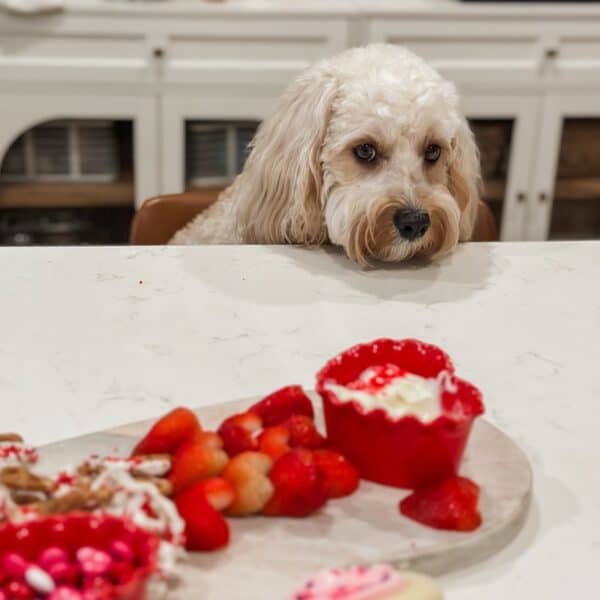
point(239, 433)
point(274, 441)
point(219, 493)
point(194, 462)
point(168, 433)
point(451, 504)
point(298, 486)
point(205, 527)
point(247, 473)
point(282, 404)
point(340, 478)
point(303, 432)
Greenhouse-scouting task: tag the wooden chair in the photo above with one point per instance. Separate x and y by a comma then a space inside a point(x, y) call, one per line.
point(160, 217)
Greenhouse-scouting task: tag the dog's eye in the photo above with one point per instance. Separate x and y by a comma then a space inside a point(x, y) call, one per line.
point(365, 152)
point(432, 153)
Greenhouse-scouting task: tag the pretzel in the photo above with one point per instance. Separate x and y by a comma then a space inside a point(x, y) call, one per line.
point(20, 478)
point(11, 437)
point(79, 498)
point(164, 486)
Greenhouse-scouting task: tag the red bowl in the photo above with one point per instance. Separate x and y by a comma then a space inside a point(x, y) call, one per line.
point(402, 452)
point(74, 530)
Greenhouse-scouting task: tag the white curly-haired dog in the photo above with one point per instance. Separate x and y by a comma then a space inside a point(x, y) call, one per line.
point(367, 150)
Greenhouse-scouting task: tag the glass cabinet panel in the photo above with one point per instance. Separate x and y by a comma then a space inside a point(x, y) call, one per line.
point(576, 202)
point(494, 138)
point(68, 182)
point(215, 152)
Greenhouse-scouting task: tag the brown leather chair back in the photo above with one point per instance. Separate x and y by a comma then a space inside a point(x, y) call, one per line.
point(159, 218)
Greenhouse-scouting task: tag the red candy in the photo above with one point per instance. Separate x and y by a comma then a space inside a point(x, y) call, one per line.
point(17, 590)
point(92, 561)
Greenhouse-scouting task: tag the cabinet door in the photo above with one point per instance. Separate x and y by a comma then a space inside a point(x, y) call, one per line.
point(21, 111)
point(566, 202)
point(485, 53)
point(505, 130)
point(184, 115)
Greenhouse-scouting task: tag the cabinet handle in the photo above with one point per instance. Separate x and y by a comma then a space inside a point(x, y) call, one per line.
point(521, 197)
point(551, 53)
point(543, 197)
point(158, 52)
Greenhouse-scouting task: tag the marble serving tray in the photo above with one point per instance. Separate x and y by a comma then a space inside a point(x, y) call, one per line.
point(268, 557)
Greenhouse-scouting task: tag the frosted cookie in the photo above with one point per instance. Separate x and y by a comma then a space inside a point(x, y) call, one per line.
point(378, 582)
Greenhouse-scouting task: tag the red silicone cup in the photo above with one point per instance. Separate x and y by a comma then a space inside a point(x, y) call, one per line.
point(74, 530)
point(402, 452)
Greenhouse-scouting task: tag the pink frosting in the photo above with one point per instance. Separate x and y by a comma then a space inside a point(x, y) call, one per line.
point(356, 583)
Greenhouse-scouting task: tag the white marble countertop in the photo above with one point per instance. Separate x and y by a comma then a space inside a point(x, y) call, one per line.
point(96, 337)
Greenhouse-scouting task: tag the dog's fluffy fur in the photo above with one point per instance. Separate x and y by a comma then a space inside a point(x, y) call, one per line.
point(303, 184)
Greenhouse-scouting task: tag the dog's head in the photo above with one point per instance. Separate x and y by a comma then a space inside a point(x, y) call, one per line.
point(369, 150)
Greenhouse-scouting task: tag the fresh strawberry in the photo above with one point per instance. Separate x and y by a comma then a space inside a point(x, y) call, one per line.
point(282, 404)
point(239, 433)
point(451, 504)
point(340, 478)
point(274, 441)
point(194, 462)
point(303, 432)
point(168, 433)
point(247, 473)
point(298, 485)
point(205, 527)
point(219, 493)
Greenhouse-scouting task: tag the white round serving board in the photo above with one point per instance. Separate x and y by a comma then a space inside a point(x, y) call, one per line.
point(268, 558)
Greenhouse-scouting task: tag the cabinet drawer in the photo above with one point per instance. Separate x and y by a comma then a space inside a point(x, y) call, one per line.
point(32, 51)
point(578, 58)
point(464, 52)
point(248, 51)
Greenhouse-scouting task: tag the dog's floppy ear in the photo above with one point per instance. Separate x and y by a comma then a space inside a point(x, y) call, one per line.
point(281, 182)
point(465, 178)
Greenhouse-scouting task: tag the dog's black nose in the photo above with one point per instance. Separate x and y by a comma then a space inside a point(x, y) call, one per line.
point(411, 223)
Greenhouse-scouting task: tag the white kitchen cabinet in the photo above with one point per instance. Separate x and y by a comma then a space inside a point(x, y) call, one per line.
point(521, 112)
point(22, 111)
point(581, 201)
point(165, 64)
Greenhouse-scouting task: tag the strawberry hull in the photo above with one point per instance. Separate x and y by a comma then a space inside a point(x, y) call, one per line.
point(403, 452)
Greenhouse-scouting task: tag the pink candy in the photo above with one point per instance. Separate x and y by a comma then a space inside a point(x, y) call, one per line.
point(121, 550)
point(53, 574)
point(62, 572)
point(93, 561)
point(65, 593)
point(14, 565)
point(52, 555)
